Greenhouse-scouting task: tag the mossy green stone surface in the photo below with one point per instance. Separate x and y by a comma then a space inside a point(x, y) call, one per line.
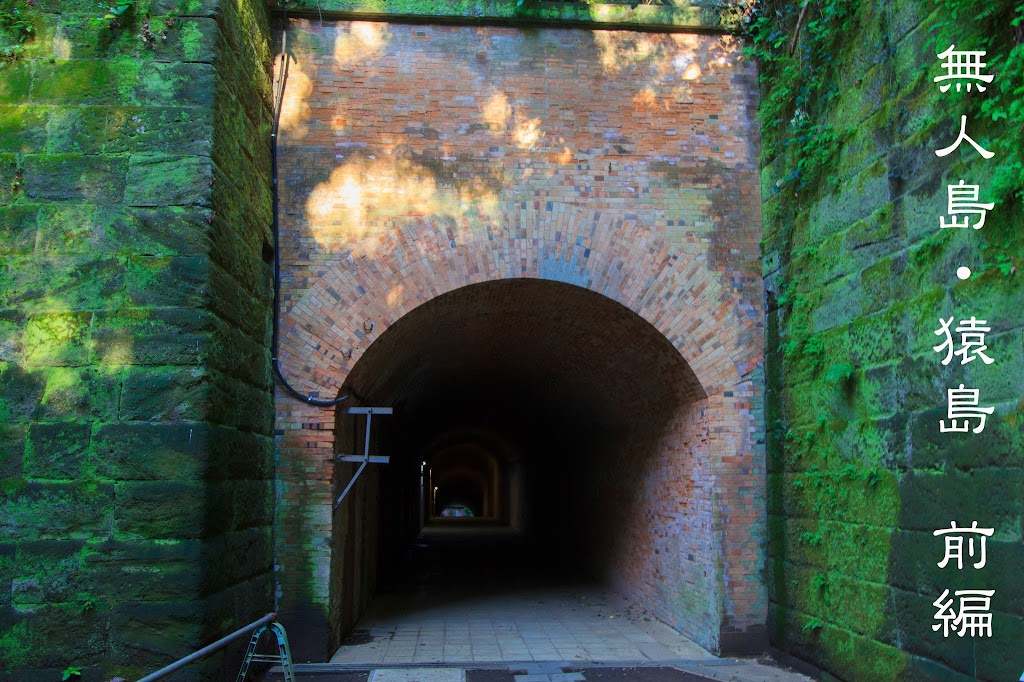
point(859, 273)
point(125, 512)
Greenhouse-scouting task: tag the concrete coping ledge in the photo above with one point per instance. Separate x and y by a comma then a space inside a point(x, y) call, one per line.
point(701, 16)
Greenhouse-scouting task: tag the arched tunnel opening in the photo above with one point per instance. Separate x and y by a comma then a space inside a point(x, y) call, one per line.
point(542, 434)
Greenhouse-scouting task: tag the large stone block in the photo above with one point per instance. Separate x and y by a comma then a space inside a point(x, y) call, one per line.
point(174, 510)
point(7, 572)
point(16, 83)
point(80, 392)
point(22, 128)
point(165, 395)
point(188, 8)
point(159, 129)
point(176, 84)
point(49, 571)
point(87, 81)
point(240, 357)
point(98, 179)
point(250, 553)
point(990, 297)
point(147, 636)
point(12, 451)
point(172, 281)
point(78, 130)
point(247, 310)
point(998, 656)
point(876, 661)
point(991, 496)
point(162, 336)
point(190, 40)
point(12, 336)
point(239, 505)
point(55, 511)
point(146, 452)
point(58, 338)
point(73, 282)
point(916, 555)
point(156, 180)
point(160, 232)
point(234, 403)
point(20, 392)
point(57, 451)
point(920, 383)
point(62, 635)
point(144, 571)
point(998, 445)
point(18, 228)
point(66, 228)
point(239, 454)
point(919, 610)
point(1001, 381)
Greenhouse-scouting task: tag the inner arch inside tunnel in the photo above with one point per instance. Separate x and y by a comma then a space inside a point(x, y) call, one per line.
point(573, 429)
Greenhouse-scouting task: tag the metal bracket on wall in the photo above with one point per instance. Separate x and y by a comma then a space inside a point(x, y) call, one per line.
point(364, 458)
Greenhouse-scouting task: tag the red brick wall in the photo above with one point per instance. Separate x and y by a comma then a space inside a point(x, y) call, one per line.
point(655, 530)
point(419, 159)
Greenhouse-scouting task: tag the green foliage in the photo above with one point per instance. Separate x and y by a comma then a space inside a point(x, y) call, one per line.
point(17, 181)
point(69, 672)
point(16, 22)
point(15, 646)
point(128, 12)
point(812, 624)
point(1003, 263)
point(810, 539)
point(115, 14)
point(839, 374)
point(798, 82)
point(15, 17)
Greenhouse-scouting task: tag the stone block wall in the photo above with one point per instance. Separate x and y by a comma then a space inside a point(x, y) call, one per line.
point(859, 273)
point(136, 464)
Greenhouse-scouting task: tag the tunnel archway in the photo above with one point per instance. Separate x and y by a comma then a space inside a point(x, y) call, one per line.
point(463, 474)
point(576, 422)
point(643, 190)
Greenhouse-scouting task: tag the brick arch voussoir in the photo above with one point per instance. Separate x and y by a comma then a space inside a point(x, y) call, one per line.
point(372, 287)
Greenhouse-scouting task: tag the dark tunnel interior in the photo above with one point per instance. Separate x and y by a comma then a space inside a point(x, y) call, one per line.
point(565, 424)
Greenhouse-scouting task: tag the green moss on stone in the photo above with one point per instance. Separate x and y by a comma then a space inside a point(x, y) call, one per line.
point(15, 646)
point(58, 338)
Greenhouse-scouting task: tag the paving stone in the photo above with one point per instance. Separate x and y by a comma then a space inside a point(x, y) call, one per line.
point(418, 675)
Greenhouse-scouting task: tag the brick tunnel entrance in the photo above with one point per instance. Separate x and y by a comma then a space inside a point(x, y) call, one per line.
point(547, 262)
point(568, 426)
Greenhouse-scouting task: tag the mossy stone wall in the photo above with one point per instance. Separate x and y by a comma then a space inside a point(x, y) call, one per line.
point(859, 273)
point(709, 15)
point(136, 453)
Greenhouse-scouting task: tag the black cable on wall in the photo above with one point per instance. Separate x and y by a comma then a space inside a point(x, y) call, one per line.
point(278, 98)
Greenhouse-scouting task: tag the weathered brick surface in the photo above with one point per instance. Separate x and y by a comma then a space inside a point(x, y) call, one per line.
point(416, 160)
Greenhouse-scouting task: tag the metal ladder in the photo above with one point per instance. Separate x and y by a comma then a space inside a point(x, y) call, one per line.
point(284, 656)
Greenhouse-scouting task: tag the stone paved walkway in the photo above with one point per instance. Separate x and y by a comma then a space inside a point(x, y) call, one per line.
point(721, 671)
point(574, 623)
point(485, 615)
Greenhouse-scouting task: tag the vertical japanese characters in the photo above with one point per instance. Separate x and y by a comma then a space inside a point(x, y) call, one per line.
point(967, 612)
